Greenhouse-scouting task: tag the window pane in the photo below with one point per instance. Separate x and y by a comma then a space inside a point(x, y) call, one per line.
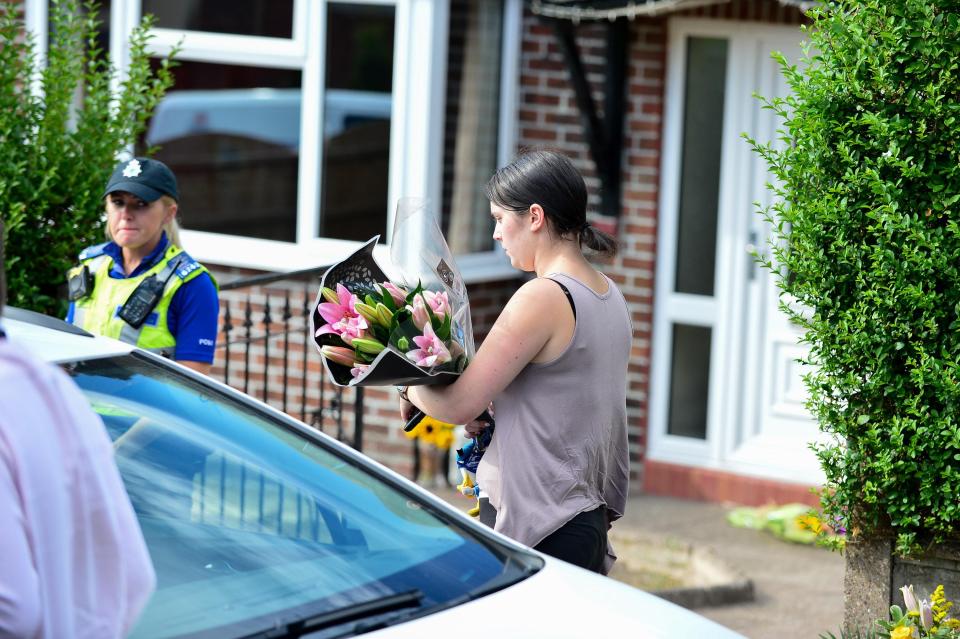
point(104, 8)
point(700, 169)
point(231, 134)
point(102, 15)
point(472, 121)
point(273, 18)
point(689, 381)
point(356, 154)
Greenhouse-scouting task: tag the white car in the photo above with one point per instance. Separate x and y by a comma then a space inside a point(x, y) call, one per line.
point(259, 526)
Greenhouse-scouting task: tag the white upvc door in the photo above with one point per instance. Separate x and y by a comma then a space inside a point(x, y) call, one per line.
point(726, 388)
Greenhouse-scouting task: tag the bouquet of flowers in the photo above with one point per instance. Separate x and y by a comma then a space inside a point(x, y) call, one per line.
point(922, 618)
point(366, 324)
point(412, 329)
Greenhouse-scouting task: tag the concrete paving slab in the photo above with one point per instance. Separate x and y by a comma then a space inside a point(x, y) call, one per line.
point(798, 589)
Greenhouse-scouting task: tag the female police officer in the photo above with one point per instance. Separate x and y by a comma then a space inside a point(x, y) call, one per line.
point(141, 287)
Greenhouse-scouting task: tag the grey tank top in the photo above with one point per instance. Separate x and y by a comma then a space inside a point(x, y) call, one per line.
point(560, 445)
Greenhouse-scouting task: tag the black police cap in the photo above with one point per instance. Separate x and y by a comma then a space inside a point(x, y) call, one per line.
point(146, 178)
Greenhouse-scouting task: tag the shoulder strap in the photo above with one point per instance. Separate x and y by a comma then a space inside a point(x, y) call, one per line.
point(181, 264)
point(566, 291)
point(93, 251)
point(98, 261)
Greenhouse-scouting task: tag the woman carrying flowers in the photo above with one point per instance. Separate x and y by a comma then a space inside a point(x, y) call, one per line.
point(554, 365)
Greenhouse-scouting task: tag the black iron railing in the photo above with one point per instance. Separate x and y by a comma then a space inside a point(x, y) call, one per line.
point(236, 495)
point(266, 351)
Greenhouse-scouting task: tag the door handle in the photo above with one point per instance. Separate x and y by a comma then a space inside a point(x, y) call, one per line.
point(752, 261)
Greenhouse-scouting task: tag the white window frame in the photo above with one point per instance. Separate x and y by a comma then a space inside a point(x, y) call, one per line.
point(416, 138)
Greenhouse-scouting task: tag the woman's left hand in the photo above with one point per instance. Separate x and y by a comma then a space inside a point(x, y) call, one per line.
point(407, 409)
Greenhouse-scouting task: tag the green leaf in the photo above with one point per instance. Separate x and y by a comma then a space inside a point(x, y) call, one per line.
point(444, 331)
point(388, 300)
point(57, 153)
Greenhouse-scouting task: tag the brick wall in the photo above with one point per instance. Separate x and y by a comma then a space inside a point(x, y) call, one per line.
point(548, 117)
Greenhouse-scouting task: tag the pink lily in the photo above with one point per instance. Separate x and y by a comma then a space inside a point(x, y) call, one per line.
point(440, 304)
point(339, 354)
point(398, 294)
point(436, 302)
point(358, 370)
point(432, 351)
point(342, 317)
point(418, 311)
point(352, 328)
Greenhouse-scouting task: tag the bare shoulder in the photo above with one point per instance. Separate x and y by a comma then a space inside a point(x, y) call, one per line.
point(527, 308)
point(541, 291)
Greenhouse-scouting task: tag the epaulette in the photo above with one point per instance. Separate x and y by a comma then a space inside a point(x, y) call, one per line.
point(93, 251)
point(185, 265)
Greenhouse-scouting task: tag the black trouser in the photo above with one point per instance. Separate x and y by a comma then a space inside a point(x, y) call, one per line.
point(488, 514)
point(582, 541)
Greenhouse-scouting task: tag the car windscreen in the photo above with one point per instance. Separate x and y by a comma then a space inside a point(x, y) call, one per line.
point(251, 523)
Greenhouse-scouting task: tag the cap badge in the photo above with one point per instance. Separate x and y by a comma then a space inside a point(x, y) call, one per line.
point(133, 169)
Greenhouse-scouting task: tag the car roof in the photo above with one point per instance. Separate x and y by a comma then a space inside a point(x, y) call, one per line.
point(54, 340)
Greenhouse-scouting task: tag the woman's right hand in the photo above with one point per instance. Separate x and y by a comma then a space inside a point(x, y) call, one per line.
point(474, 428)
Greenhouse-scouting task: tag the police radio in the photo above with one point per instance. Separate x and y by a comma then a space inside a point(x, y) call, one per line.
point(142, 301)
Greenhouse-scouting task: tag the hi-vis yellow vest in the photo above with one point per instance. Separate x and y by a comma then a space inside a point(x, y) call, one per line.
point(97, 312)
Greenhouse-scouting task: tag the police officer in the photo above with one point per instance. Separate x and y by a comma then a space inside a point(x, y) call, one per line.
point(141, 287)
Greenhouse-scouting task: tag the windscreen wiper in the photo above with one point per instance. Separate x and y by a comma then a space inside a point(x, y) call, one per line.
point(353, 612)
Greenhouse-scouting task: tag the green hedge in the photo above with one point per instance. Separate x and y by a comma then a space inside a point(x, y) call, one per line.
point(868, 257)
point(62, 127)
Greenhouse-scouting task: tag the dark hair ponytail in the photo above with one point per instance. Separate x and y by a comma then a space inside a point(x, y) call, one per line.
point(549, 179)
point(596, 240)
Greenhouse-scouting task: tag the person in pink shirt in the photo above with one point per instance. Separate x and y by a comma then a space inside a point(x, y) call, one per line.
point(73, 562)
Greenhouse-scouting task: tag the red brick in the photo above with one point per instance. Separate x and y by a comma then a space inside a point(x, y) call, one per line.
point(689, 482)
point(538, 134)
point(562, 118)
point(540, 98)
point(652, 107)
point(545, 64)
